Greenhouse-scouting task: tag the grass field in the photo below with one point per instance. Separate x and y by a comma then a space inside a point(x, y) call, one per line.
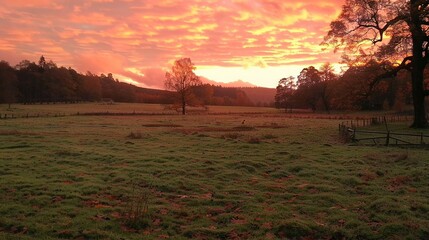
point(74, 109)
point(202, 177)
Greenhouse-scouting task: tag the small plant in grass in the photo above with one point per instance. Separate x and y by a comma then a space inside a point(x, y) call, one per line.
point(136, 212)
point(135, 135)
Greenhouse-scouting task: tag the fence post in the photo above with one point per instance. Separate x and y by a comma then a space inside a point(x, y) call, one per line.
point(421, 138)
point(385, 123)
point(387, 138)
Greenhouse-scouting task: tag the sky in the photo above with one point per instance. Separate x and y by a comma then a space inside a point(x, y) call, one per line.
point(253, 41)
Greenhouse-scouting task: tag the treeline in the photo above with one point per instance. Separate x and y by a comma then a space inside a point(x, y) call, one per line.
point(357, 88)
point(207, 94)
point(45, 82)
point(260, 96)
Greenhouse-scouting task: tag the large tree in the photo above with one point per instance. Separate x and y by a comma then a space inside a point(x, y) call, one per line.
point(181, 79)
point(398, 30)
point(308, 91)
point(284, 93)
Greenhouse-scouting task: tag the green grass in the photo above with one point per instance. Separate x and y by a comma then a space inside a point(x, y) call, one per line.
point(204, 177)
point(93, 107)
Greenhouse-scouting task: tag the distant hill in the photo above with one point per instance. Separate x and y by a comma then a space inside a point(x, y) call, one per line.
point(235, 84)
point(260, 96)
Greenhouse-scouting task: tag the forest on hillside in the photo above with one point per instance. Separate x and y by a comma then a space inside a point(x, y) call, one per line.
point(45, 82)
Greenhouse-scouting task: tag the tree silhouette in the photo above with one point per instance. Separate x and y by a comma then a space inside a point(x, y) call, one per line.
point(406, 23)
point(327, 76)
point(8, 84)
point(308, 86)
point(181, 79)
point(284, 93)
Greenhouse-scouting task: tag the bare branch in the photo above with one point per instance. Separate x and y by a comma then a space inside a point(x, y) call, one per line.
point(405, 64)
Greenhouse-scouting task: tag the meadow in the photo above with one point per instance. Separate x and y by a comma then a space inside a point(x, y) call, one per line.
point(237, 173)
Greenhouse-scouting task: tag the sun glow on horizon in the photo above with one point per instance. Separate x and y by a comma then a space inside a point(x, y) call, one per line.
point(262, 77)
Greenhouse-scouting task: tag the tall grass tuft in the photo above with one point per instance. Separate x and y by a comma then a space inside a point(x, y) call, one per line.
point(136, 212)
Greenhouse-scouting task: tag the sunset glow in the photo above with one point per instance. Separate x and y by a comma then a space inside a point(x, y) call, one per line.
point(257, 41)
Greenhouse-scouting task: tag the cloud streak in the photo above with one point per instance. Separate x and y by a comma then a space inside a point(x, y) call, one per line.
point(115, 35)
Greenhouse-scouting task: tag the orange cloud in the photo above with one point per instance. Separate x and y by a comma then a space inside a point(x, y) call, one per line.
point(100, 62)
point(112, 36)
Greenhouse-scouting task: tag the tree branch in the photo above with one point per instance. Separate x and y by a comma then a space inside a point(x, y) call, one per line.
point(405, 64)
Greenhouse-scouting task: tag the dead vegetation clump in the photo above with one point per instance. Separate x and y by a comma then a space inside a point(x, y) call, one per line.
point(272, 125)
point(230, 133)
point(398, 182)
point(154, 125)
point(67, 153)
point(233, 135)
point(16, 133)
point(399, 156)
point(9, 132)
point(254, 140)
point(135, 135)
point(368, 175)
point(269, 136)
point(243, 128)
point(394, 157)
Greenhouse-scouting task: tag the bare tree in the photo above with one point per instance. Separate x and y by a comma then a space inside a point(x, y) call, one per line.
point(406, 23)
point(181, 79)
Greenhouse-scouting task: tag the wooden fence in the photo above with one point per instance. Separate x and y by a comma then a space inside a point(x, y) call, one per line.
point(387, 138)
point(364, 122)
point(349, 133)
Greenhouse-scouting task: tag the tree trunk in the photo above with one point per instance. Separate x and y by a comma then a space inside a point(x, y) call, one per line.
point(418, 65)
point(183, 104)
point(325, 97)
point(420, 120)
